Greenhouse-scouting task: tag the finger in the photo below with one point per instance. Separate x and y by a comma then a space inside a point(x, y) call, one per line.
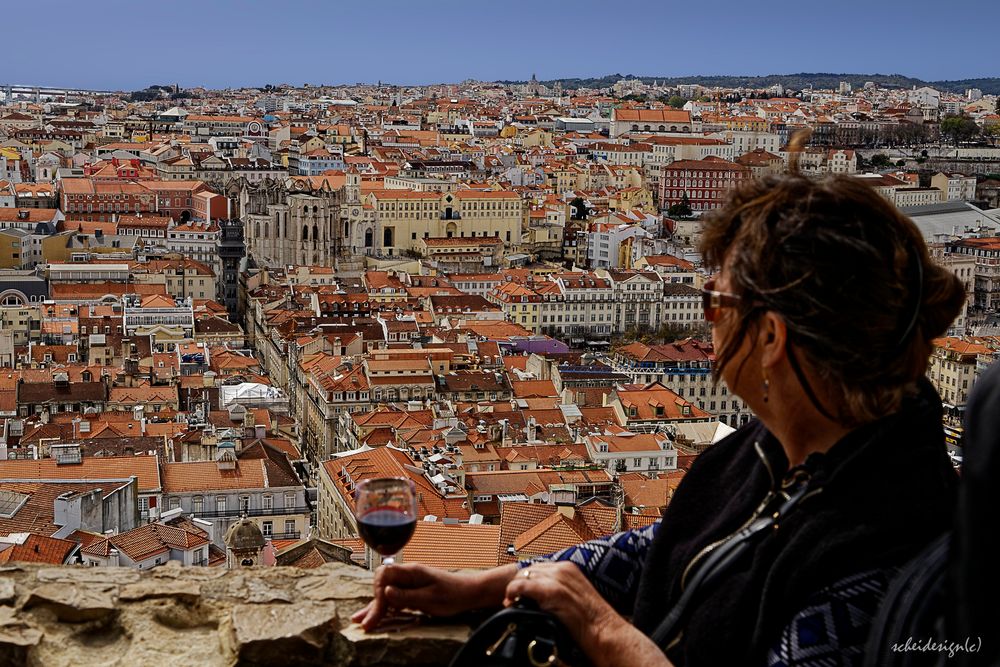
point(405, 575)
point(360, 613)
point(411, 598)
point(538, 588)
point(376, 609)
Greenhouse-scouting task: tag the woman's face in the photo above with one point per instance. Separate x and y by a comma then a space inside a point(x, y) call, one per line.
point(737, 372)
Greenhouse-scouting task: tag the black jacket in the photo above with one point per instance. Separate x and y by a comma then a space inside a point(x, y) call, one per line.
point(881, 493)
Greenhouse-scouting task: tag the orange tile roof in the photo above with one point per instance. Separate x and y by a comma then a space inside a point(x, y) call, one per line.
point(390, 462)
point(453, 546)
point(533, 388)
point(148, 541)
point(90, 468)
point(551, 534)
point(193, 476)
point(37, 549)
point(650, 493)
point(37, 515)
point(515, 520)
point(653, 115)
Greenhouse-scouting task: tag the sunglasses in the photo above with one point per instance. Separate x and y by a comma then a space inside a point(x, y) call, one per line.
point(713, 301)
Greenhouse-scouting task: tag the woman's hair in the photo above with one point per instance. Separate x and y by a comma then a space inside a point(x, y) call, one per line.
point(849, 274)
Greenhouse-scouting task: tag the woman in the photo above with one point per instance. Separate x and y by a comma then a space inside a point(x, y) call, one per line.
point(823, 310)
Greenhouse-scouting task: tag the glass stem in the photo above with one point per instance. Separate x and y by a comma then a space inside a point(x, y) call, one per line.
point(388, 560)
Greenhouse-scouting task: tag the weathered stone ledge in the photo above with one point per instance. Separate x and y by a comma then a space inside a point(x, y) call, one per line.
point(204, 617)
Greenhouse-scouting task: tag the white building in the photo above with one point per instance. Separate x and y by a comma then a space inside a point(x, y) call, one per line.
point(605, 241)
point(907, 197)
point(925, 97)
point(632, 452)
point(744, 141)
point(197, 241)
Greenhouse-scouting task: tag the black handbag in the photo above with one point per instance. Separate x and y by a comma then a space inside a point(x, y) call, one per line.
point(520, 635)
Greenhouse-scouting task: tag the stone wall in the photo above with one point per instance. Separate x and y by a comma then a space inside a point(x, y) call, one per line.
point(172, 615)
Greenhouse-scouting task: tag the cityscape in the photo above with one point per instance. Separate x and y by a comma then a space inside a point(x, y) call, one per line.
point(244, 302)
point(222, 309)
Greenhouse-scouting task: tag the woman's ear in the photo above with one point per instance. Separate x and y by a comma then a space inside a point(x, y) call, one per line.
point(771, 337)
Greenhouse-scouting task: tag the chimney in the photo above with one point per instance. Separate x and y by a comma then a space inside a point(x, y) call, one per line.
point(113, 559)
point(568, 511)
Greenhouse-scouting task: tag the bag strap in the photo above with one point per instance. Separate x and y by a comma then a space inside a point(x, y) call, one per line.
point(719, 561)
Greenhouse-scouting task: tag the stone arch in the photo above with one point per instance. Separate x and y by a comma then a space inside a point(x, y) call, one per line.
point(369, 238)
point(185, 217)
point(267, 231)
point(450, 229)
point(305, 232)
point(387, 238)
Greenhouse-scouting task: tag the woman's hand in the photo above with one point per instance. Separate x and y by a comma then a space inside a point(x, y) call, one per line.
point(432, 591)
point(562, 589)
point(605, 637)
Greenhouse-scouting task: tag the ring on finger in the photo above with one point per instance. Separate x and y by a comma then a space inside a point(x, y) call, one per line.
point(527, 574)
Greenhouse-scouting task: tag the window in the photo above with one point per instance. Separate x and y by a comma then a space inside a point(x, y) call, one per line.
point(267, 528)
point(290, 526)
point(220, 504)
point(244, 503)
point(175, 503)
point(267, 502)
point(197, 504)
point(289, 500)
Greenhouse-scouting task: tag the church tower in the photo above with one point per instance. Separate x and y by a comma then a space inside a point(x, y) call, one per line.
point(244, 543)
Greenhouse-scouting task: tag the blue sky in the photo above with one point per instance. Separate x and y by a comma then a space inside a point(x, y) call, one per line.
point(121, 44)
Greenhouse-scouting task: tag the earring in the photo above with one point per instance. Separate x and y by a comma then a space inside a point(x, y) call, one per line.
point(767, 388)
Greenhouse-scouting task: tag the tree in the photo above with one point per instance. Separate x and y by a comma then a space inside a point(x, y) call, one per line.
point(676, 101)
point(579, 207)
point(959, 129)
point(880, 160)
point(900, 163)
point(681, 209)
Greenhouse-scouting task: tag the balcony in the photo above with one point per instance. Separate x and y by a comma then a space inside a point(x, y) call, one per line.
point(294, 535)
point(252, 512)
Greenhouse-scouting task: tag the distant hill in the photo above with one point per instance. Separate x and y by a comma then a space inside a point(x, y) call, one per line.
point(989, 86)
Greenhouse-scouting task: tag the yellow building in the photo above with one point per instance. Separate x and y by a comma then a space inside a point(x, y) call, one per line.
point(403, 217)
point(12, 243)
point(520, 304)
point(629, 199)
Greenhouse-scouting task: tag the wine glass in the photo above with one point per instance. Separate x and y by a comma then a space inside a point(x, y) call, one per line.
point(386, 509)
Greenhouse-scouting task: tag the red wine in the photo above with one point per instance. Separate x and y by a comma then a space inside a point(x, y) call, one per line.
point(386, 531)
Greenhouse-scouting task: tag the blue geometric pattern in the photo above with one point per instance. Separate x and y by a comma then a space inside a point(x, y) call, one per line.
point(613, 564)
point(832, 629)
